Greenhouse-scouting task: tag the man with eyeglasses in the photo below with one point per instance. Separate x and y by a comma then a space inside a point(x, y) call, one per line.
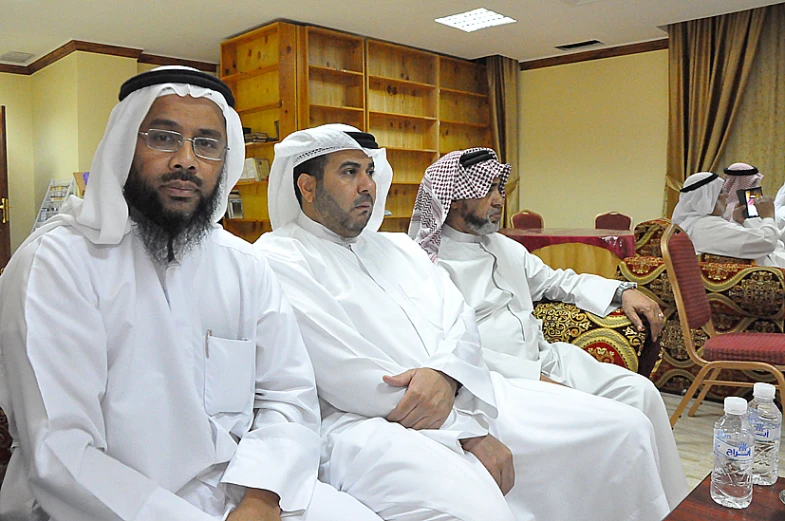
point(150, 366)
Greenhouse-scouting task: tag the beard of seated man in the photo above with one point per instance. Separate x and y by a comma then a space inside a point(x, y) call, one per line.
point(168, 235)
point(474, 222)
point(335, 217)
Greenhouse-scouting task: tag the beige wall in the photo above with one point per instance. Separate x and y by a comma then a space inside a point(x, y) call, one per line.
point(16, 96)
point(55, 124)
point(100, 77)
point(593, 138)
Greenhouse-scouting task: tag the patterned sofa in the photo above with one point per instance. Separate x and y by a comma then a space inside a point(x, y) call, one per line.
point(743, 297)
point(5, 444)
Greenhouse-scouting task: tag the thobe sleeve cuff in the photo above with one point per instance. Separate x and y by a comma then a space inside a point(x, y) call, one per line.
point(595, 294)
point(162, 504)
point(512, 366)
point(282, 458)
point(474, 378)
point(460, 425)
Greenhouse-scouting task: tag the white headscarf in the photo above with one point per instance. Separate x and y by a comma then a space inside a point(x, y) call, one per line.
point(102, 216)
point(739, 176)
point(697, 203)
point(303, 145)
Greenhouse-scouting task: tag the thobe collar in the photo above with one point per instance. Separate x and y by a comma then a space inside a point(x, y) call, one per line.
point(452, 233)
point(323, 232)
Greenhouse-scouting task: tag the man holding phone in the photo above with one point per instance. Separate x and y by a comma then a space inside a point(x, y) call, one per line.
point(703, 201)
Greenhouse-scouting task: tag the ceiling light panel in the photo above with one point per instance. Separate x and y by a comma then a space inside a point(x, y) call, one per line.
point(476, 19)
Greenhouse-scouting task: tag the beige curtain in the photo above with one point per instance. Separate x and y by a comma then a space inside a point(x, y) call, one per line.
point(758, 134)
point(710, 61)
point(503, 97)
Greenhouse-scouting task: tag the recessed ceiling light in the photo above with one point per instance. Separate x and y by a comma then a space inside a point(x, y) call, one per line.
point(476, 19)
point(16, 57)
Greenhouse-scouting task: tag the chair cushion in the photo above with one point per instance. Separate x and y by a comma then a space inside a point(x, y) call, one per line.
point(751, 347)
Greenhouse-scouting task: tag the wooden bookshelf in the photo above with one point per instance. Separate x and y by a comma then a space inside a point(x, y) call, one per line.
point(260, 68)
point(419, 105)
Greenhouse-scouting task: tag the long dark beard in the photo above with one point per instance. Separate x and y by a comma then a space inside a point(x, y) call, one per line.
point(168, 235)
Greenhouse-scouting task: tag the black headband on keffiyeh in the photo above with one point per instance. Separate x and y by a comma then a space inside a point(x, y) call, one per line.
point(466, 174)
point(187, 76)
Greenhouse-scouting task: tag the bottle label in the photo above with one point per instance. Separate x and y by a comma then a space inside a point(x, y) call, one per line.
point(741, 453)
point(764, 434)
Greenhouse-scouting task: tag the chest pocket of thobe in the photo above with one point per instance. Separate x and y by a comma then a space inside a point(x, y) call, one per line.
point(229, 374)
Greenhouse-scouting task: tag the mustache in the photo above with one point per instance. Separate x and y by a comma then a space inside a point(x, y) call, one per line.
point(364, 198)
point(182, 175)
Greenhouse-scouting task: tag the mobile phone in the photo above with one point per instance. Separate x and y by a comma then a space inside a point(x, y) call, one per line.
point(750, 197)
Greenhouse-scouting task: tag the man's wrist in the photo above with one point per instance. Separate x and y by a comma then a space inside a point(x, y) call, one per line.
point(623, 286)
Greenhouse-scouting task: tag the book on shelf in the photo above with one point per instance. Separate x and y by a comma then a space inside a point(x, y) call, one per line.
point(234, 210)
point(255, 169)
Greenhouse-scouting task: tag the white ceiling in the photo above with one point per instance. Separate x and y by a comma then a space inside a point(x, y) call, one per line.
point(193, 29)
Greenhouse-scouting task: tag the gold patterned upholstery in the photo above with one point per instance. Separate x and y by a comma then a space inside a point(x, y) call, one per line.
point(742, 298)
point(610, 339)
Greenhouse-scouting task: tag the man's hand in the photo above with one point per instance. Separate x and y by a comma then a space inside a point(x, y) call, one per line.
point(257, 505)
point(428, 400)
point(496, 457)
point(544, 378)
point(765, 206)
point(634, 302)
point(739, 213)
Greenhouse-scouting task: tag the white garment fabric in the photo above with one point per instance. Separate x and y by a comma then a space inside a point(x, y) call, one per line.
point(141, 392)
point(779, 211)
point(501, 281)
point(377, 306)
point(697, 203)
point(756, 239)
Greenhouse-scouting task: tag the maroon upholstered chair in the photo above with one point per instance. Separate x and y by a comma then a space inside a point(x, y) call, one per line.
point(612, 221)
point(738, 351)
point(527, 220)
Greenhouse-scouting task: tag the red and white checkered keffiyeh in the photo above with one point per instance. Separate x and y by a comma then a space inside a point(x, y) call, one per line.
point(446, 181)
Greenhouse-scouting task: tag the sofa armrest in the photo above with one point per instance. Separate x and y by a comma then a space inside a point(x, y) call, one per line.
point(610, 339)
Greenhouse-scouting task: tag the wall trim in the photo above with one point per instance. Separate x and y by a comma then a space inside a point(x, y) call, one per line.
point(99, 48)
point(597, 54)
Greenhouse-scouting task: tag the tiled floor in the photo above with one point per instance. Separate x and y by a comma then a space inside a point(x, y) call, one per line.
point(694, 435)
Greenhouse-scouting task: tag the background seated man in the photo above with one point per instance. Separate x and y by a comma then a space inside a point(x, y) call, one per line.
point(456, 217)
point(151, 368)
point(738, 176)
point(699, 212)
point(415, 426)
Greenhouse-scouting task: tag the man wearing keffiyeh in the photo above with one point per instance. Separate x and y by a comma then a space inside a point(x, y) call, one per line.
point(456, 217)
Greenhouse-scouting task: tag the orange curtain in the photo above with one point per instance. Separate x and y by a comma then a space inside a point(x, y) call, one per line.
point(503, 98)
point(710, 61)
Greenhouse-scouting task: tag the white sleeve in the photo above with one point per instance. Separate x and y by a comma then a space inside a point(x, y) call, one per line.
point(589, 292)
point(51, 331)
point(349, 368)
point(754, 239)
point(281, 451)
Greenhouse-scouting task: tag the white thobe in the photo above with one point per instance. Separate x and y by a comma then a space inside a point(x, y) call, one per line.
point(756, 239)
point(501, 280)
point(377, 306)
point(139, 393)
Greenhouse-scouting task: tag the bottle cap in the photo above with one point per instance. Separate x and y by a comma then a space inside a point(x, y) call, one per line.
point(735, 405)
point(763, 390)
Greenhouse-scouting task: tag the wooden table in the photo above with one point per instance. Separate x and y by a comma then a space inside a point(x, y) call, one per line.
point(698, 506)
point(585, 250)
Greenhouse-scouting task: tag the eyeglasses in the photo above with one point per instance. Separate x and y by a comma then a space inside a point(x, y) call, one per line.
point(170, 141)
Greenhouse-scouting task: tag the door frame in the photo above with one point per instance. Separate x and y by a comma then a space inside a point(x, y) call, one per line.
point(5, 228)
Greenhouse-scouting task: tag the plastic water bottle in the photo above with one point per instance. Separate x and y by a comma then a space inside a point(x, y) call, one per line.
point(766, 421)
point(731, 479)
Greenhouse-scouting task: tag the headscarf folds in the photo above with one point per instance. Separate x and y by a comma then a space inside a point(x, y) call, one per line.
point(739, 176)
point(697, 199)
point(303, 145)
point(448, 180)
point(102, 216)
